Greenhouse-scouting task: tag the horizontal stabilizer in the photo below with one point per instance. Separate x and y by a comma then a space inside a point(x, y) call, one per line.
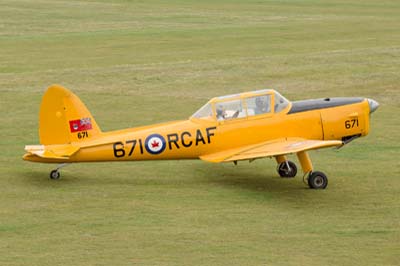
point(58, 152)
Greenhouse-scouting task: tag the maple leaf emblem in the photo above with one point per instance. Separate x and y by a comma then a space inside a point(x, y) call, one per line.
point(155, 144)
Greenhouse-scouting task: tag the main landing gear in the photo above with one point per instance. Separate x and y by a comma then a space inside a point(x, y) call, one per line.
point(287, 169)
point(317, 180)
point(55, 174)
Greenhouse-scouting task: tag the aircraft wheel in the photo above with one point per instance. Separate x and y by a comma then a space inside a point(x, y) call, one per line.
point(283, 170)
point(317, 180)
point(55, 174)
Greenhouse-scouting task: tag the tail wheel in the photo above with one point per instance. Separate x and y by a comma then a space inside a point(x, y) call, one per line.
point(55, 174)
point(317, 180)
point(287, 169)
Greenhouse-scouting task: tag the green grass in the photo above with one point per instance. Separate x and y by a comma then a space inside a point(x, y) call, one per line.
point(142, 62)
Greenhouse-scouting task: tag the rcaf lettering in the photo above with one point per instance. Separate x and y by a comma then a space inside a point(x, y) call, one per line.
point(210, 134)
point(199, 137)
point(186, 143)
point(175, 141)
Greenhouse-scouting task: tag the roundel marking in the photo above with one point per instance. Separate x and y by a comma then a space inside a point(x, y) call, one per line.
point(155, 144)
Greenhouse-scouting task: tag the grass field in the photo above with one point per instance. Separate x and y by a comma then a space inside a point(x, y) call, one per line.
point(141, 62)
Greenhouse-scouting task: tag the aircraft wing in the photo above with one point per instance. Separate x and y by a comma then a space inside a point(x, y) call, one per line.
point(269, 149)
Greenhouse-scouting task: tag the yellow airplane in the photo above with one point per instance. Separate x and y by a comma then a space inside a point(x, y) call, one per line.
point(245, 126)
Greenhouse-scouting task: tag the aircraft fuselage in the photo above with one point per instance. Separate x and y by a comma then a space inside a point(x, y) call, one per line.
point(190, 139)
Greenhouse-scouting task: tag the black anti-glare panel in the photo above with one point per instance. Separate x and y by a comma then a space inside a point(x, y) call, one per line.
point(308, 105)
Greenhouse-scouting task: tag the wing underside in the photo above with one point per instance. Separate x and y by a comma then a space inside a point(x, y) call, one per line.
point(269, 149)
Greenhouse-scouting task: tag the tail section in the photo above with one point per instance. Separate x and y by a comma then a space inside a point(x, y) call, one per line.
point(64, 119)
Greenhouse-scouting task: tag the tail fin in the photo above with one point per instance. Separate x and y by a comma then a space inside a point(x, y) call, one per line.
point(64, 118)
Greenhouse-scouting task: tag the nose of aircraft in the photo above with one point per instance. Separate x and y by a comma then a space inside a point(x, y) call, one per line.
point(373, 105)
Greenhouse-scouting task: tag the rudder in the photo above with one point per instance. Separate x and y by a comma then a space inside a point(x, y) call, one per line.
point(64, 118)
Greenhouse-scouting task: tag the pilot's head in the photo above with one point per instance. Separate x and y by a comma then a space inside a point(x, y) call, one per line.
point(220, 111)
point(260, 103)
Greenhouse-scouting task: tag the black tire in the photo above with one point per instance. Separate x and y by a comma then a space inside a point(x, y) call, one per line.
point(317, 180)
point(55, 175)
point(283, 170)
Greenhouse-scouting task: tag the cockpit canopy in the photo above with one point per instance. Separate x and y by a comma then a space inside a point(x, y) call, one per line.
point(242, 105)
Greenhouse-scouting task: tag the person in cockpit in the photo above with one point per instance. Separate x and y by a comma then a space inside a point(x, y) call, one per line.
point(262, 106)
point(221, 114)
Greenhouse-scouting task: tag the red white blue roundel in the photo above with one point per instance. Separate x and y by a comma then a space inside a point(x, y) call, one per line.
point(155, 144)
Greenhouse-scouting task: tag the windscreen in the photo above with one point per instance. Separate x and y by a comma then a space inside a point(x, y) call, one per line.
point(204, 112)
point(280, 102)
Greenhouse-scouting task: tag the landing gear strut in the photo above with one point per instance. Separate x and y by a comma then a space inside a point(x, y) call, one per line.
point(315, 179)
point(55, 174)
